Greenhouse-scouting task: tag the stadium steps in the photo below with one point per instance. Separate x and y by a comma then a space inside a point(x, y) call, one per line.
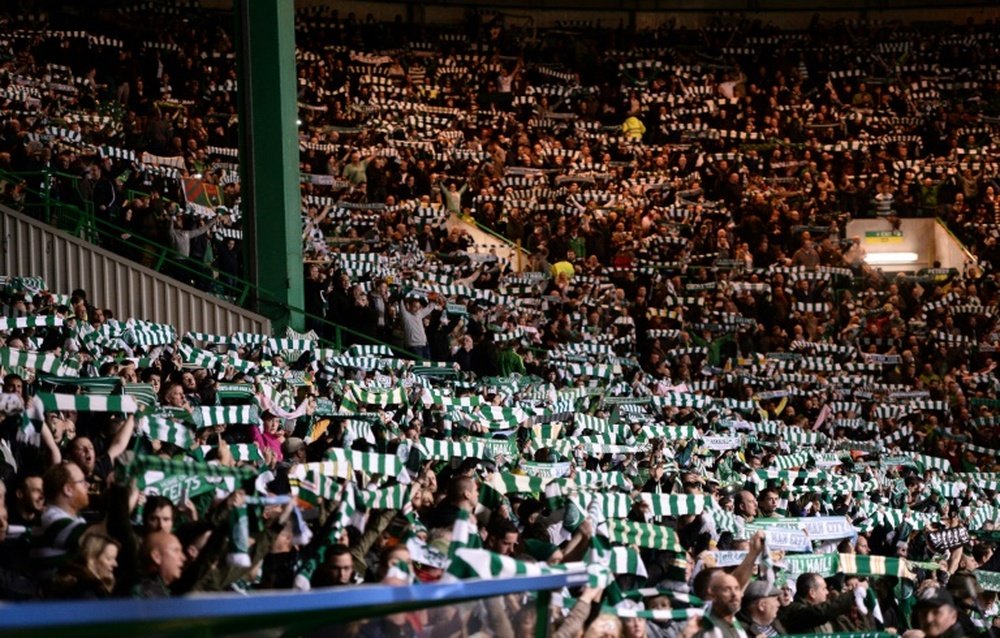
point(489, 242)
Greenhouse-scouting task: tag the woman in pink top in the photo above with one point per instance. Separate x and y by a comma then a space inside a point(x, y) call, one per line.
point(271, 438)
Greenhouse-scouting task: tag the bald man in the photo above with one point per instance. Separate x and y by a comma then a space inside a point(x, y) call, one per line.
point(163, 558)
point(746, 506)
point(726, 595)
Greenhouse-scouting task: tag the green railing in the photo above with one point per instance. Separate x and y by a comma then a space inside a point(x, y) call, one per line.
point(81, 221)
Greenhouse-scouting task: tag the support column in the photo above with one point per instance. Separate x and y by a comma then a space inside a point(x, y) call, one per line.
point(269, 149)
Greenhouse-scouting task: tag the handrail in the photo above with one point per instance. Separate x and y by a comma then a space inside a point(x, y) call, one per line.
point(160, 252)
point(516, 245)
point(86, 224)
point(968, 254)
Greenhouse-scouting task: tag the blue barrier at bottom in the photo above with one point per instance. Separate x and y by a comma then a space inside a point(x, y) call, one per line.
point(284, 613)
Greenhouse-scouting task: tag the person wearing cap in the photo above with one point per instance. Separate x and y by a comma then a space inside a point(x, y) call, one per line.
point(759, 611)
point(965, 591)
point(937, 614)
point(813, 611)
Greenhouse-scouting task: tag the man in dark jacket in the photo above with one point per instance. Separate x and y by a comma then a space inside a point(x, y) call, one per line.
point(964, 589)
point(937, 614)
point(812, 611)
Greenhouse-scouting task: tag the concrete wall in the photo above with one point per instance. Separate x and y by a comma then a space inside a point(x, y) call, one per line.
point(926, 237)
point(948, 250)
point(918, 237)
point(30, 248)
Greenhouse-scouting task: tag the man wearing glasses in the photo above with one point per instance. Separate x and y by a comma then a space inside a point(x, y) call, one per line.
point(55, 539)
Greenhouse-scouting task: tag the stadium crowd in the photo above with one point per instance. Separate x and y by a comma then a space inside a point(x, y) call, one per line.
point(697, 386)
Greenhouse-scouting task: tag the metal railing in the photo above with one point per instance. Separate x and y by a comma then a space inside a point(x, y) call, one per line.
point(79, 219)
point(318, 612)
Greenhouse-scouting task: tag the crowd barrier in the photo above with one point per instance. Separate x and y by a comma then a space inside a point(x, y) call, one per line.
point(326, 612)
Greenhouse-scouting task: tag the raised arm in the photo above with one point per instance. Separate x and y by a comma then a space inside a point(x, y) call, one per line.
point(120, 442)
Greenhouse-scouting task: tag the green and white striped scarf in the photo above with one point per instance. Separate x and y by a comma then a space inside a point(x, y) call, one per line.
point(88, 403)
point(545, 470)
point(241, 452)
point(313, 486)
point(370, 462)
point(464, 533)
point(854, 564)
point(142, 393)
point(445, 401)
point(209, 415)
point(881, 515)
point(91, 385)
point(606, 504)
point(242, 392)
point(198, 358)
point(681, 400)
point(589, 445)
point(31, 285)
point(432, 449)
point(790, 435)
point(332, 364)
point(179, 466)
point(596, 479)
point(238, 339)
point(619, 560)
point(627, 532)
point(278, 346)
point(167, 430)
point(927, 462)
point(330, 469)
point(381, 398)
point(205, 338)
point(355, 430)
point(506, 483)
point(483, 564)
point(31, 321)
point(387, 498)
point(502, 418)
point(50, 363)
point(240, 365)
point(674, 504)
point(791, 460)
point(146, 334)
point(653, 614)
point(619, 432)
point(270, 394)
point(367, 350)
point(668, 432)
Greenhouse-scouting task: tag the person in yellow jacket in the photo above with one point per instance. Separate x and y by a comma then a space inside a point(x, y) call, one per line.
point(633, 128)
point(563, 268)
